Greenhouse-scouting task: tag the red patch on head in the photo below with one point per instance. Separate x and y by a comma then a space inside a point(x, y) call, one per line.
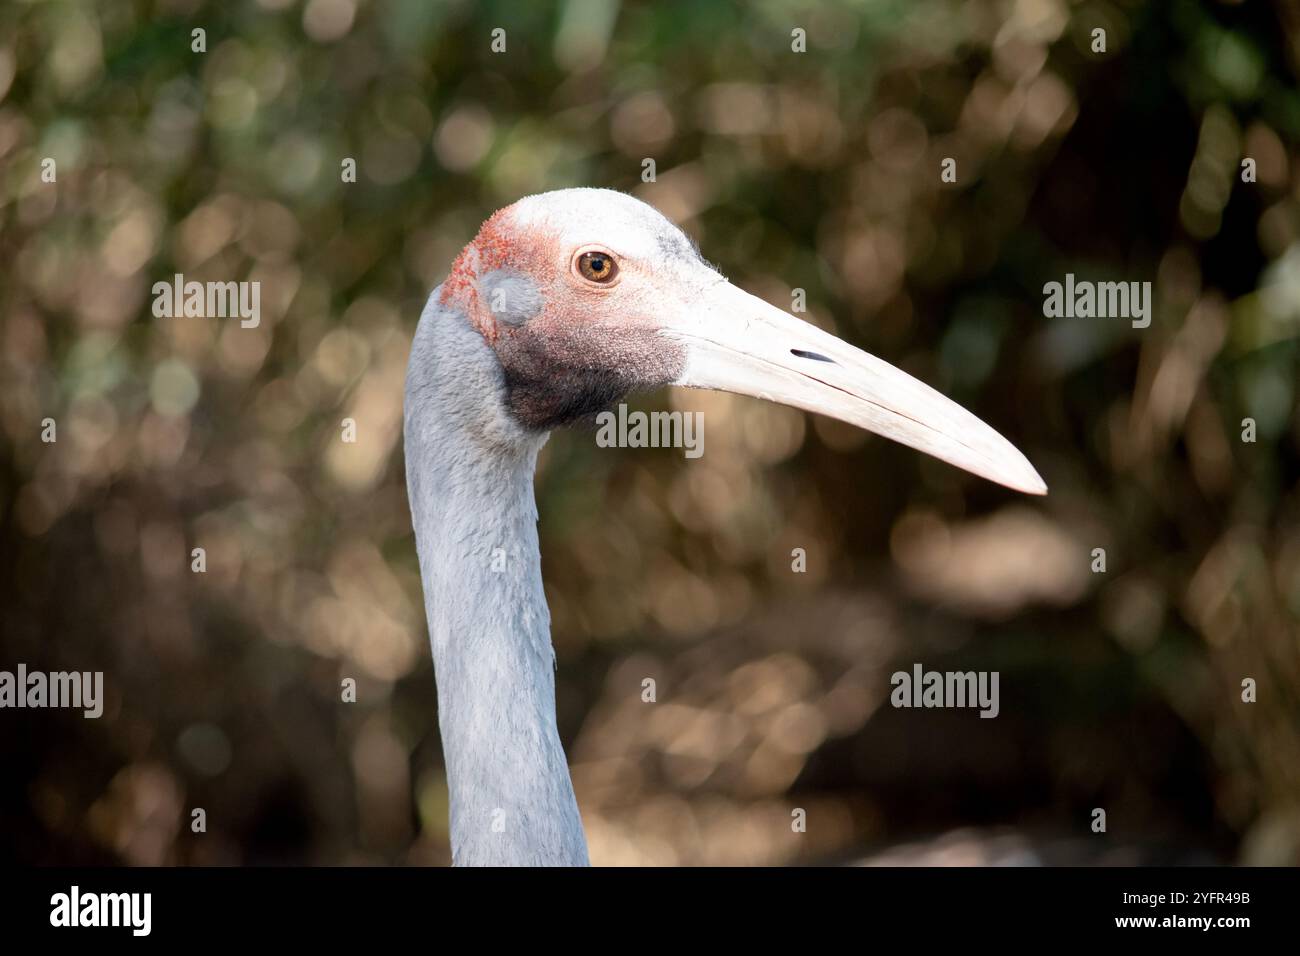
point(499, 243)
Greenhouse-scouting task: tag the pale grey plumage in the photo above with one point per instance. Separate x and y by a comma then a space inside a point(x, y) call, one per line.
point(525, 341)
point(469, 468)
point(469, 473)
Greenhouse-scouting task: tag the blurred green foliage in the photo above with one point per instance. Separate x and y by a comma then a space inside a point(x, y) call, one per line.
point(815, 170)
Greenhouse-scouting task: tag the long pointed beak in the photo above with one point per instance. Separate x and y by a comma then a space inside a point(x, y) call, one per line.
point(736, 342)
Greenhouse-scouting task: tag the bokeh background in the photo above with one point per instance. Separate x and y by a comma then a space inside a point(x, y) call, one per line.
point(817, 170)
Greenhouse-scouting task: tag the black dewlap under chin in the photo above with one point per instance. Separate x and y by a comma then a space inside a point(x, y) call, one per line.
point(564, 399)
point(554, 380)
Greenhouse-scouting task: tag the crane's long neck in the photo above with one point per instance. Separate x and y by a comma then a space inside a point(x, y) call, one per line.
point(469, 471)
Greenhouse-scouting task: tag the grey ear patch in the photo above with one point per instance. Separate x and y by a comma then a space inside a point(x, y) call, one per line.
point(512, 297)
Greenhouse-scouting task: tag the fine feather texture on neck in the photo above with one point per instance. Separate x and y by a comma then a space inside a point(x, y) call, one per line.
point(469, 470)
point(562, 304)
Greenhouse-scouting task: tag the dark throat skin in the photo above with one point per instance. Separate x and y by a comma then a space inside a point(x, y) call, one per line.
point(562, 376)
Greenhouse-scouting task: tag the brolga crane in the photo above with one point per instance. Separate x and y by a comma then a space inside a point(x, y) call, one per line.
point(561, 305)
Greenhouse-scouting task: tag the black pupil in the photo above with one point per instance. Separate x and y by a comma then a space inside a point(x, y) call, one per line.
point(597, 264)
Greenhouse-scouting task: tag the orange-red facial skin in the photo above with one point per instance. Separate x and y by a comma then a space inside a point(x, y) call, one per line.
point(535, 251)
point(589, 345)
point(499, 243)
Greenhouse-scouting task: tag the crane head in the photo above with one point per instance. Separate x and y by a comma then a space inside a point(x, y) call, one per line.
point(586, 295)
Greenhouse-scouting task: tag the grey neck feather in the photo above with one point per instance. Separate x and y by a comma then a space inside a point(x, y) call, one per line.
point(469, 475)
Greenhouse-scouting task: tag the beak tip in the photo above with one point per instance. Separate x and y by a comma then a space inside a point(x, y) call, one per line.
point(1033, 485)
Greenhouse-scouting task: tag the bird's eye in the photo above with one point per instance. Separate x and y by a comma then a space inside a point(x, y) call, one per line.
point(597, 266)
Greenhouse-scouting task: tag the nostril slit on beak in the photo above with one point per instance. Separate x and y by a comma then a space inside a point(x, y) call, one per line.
point(815, 356)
